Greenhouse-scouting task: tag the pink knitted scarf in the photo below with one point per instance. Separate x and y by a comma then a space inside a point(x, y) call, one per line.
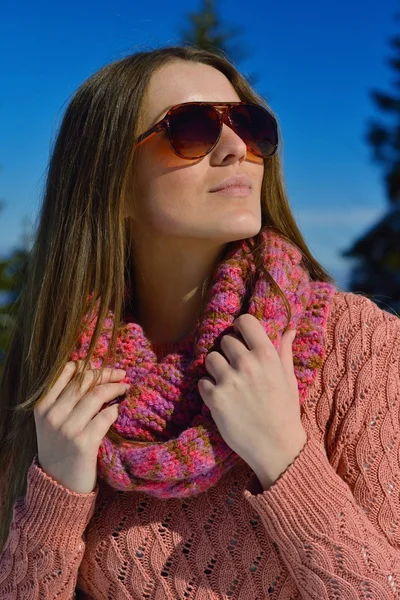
point(172, 446)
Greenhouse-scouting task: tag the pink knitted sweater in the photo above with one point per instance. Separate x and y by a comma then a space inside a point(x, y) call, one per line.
point(328, 528)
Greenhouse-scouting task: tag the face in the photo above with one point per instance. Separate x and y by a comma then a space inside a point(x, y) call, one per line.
point(171, 195)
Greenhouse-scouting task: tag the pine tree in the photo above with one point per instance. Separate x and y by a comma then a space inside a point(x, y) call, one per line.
point(12, 278)
point(206, 30)
point(377, 272)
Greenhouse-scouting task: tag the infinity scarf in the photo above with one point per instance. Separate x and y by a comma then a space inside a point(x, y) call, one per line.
point(168, 444)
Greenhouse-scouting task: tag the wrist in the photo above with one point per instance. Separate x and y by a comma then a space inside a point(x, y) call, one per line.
point(268, 473)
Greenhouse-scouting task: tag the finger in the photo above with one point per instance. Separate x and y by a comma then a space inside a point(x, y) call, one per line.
point(253, 332)
point(216, 366)
point(71, 368)
point(233, 347)
point(206, 384)
point(67, 374)
point(286, 351)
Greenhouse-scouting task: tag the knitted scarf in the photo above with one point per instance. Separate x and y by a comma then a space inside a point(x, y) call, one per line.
point(165, 442)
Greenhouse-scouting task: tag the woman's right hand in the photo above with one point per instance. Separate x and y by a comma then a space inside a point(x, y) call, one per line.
point(70, 426)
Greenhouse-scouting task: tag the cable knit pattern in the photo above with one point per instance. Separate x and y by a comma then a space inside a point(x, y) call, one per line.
point(328, 528)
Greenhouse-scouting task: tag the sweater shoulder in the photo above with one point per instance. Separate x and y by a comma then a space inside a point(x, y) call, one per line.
point(360, 376)
point(352, 313)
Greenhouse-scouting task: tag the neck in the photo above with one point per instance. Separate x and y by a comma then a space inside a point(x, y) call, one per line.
point(170, 281)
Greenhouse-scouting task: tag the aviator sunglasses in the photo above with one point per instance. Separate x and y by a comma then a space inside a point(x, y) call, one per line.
point(194, 128)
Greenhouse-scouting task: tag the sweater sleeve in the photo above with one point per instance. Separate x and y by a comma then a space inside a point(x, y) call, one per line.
point(334, 515)
point(45, 544)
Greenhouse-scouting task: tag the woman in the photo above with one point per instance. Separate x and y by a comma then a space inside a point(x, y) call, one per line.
point(241, 462)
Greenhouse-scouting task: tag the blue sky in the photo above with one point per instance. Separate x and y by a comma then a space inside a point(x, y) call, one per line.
point(316, 62)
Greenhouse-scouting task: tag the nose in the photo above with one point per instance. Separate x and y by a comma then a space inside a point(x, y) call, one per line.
point(230, 147)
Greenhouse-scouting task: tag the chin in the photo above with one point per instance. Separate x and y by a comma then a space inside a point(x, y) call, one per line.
point(239, 233)
point(244, 230)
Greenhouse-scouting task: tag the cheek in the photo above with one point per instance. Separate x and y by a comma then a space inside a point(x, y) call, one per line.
point(166, 185)
point(156, 157)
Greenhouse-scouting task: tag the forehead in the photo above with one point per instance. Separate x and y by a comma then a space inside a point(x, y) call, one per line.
point(182, 81)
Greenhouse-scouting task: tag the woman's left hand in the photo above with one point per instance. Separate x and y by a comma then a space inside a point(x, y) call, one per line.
point(254, 399)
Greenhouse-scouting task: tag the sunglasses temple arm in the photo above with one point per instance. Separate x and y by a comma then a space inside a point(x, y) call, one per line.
point(142, 138)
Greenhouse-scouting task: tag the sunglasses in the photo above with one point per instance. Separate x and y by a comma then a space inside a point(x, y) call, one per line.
point(194, 128)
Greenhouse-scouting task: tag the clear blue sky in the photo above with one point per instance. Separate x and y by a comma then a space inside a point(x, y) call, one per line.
point(316, 62)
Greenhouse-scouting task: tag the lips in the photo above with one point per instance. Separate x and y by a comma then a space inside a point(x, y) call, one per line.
point(233, 187)
point(234, 190)
point(239, 181)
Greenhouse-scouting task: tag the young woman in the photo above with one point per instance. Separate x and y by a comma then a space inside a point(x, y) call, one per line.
point(240, 462)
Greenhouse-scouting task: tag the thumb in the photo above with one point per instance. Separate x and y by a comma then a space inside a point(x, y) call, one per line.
point(286, 351)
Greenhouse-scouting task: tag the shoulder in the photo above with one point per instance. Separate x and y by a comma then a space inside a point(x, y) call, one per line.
point(354, 303)
point(354, 316)
point(362, 360)
point(361, 373)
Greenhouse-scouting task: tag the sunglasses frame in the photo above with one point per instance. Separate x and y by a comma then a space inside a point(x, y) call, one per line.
point(222, 110)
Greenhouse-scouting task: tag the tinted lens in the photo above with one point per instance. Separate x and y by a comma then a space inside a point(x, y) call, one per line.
point(256, 127)
point(193, 130)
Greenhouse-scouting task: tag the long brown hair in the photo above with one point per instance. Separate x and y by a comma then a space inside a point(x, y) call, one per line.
point(81, 243)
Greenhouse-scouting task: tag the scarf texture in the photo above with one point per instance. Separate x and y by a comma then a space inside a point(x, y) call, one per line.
point(171, 446)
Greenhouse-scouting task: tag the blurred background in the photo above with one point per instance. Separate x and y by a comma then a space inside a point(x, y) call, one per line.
point(330, 72)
